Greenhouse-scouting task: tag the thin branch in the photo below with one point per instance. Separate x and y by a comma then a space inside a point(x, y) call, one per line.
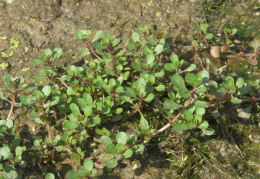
point(47, 120)
point(176, 117)
point(219, 103)
point(63, 83)
point(136, 109)
point(35, 173)
point(94, 53)
point(222, 67)
point(249, 100)
point(12, 105)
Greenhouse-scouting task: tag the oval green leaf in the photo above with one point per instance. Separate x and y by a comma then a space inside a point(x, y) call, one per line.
point(135, 37)
point(70, 124)
point(128, 153)
point(97, 36)
point(160, 88)
point(204, 125)
point(38, 61)
point(49, 176)
point(121, 137)
point(236, 100)
point(88, 164)
point(201, 104)
point(111, 149)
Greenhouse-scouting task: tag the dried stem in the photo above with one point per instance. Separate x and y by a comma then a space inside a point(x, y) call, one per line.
point(63, 83)
point(35, 173)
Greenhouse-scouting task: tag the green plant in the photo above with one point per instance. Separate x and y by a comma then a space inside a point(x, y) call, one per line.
point(10, 151)
point(32, 20)
point(14, 45)
point(223, 44)
point(4, 65)
point(141, 84)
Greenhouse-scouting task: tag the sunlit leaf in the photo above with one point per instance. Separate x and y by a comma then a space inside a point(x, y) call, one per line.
point(158, 49)
point(191, 67)
point(97, 36)
point(201, 104)
point(236, 100)
point(121, 137)
point(204, 28)
point(116, 42)
point(38, 61)
point(82, 34)
point(208, 131)
point(169, 104)
point(88, 164)
point(239, 82)
point(135, 37)
point(180, 127)
point(129, 92)
point(56, 54)
point(160, 88)
point(143, 124)
point(111, 163)
point(46, 56)
point(188, 115)
point(70, 124)
point(209, 36)
point(105, 140)
point(178, 81)
point(49, 176)
point(46, 90)
point(149, 98)
point(128, 153)
point(26, 100)
point(204, 125)
point(83, 51)
point(150, 59)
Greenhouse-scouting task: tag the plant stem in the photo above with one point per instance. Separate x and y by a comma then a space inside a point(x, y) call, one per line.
point(12, 105)
point(94, 53)
point(63, 83)
point(136, 109)
point(47, 120)
point(175, 118)
point(203, 12)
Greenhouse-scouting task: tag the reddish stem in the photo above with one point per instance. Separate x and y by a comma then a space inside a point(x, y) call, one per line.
point(12, 105)
point(136, 109)
point(94, 53)
point(47, 120)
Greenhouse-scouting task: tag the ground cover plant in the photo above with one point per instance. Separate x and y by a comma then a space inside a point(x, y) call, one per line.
point(120, 101)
